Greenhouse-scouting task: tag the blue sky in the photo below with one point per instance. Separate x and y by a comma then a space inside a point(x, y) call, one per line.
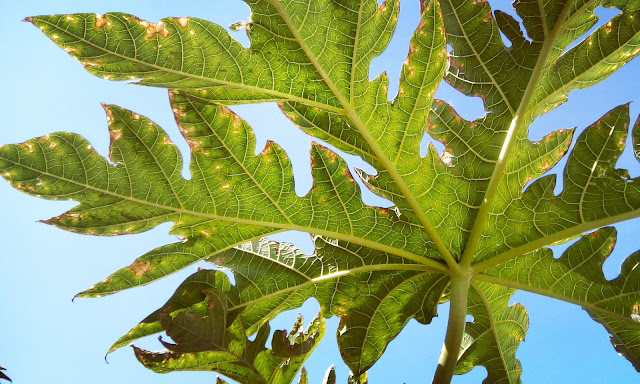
point(44, 337)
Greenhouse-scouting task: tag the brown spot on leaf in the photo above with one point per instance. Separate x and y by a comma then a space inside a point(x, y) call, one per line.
point(267, 148)
point(607, 27)
point(107, 110)
point(140, 268)
point(178, 112)
point(194, 144)
point(412, 49)
point(71, 215)
point(224, 110)
point(421, 27)
point(154, 29)
point(456, 64)
point(382, 8)
point(182, 21)
point(28, 145)
point(91, 63)
point(237, 121)
point(347, 173)
point(101, 21)
point(545, 166)
point(69, 49)
point(332, 155)
point(185, 130)
point(115, 134)
point(167, 140)
point(291, 116)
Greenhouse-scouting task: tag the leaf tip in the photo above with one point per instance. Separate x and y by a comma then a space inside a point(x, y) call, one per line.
point(47, 221)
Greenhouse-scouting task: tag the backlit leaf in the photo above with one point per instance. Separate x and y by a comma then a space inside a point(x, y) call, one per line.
point(475, 218)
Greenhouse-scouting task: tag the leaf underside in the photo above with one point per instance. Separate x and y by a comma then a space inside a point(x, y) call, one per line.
point(485, 202)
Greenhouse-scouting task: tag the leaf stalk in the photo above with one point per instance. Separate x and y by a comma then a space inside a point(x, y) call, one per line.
point(459, 288)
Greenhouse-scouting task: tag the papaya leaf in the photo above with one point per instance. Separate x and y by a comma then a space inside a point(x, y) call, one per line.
point(330, 376)
point(492, 338)
point(469, 225)
point(304, 376)
point(395, 292)
point(577, 277)
point(210, 338)
point(189, 296)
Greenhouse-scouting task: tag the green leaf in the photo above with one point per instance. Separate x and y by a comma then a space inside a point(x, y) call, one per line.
point(272, 277)
point(373, 293)
point(145, 188)
point(499, 171)
point(493, 336)
point(210, 339)
point(330, 376)
point(577, 277)
point(595, 193)
point(304, 377)
point(461, 222)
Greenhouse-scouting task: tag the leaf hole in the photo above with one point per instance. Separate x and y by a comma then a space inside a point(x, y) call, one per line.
point(468, 107)
point(300, 239)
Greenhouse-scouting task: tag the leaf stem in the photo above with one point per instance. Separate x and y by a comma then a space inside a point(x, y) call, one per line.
point(459, 287)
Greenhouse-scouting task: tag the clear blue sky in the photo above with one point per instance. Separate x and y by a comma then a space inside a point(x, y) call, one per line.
point(44, 337)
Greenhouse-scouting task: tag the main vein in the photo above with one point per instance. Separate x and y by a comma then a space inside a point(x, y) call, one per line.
point(350, 112)
point(517, 123)
point(525, 287)
point(322, 232)
point(279, 96)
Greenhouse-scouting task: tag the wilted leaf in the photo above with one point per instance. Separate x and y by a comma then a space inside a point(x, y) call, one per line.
point(210, 339)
